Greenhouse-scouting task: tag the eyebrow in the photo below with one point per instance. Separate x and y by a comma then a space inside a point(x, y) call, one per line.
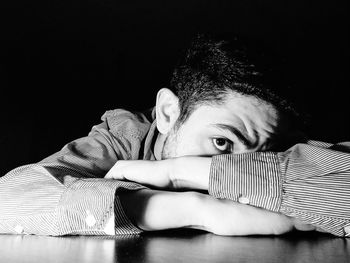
point(242, 137)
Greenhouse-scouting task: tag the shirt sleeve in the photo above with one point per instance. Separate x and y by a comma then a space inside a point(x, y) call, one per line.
point(66, 193)
point(310, 182)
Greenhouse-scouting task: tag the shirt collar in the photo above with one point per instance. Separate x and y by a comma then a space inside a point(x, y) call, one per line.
point(151, 137)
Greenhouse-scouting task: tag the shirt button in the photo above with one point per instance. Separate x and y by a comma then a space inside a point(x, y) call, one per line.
point(19, 229)
point(243, 200)
point(347, 231)
point(90, 219)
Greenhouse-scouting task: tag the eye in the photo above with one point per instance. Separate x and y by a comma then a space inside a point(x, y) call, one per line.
point(223, 145)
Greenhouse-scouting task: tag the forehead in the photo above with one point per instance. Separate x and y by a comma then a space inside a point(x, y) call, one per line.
point(248, 113)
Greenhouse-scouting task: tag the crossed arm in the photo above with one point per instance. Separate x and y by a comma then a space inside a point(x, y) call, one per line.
point(67, 194)
point(309, 184)
point(163, 209)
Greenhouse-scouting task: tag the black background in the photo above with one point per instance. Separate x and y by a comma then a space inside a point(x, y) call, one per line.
point(64, 63)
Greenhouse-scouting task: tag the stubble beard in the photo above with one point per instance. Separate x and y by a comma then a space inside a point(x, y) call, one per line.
point(169, 149)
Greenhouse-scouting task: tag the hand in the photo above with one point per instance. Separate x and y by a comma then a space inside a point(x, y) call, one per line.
point(189, 172)
point(225, 217)
point(154, 174)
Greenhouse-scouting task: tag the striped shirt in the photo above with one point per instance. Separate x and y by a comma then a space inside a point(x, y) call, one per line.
point(310, 182)
point(67, 194)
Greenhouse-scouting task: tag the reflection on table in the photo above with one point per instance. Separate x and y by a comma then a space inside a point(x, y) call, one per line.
point(175, 246)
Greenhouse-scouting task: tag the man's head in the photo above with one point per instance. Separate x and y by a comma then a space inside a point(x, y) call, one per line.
point(223, 98)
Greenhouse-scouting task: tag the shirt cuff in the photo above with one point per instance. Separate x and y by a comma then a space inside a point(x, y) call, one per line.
point(123, 225)
point(249, 178)
point(88, 204)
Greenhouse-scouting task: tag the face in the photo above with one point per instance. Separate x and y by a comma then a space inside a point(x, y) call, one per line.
point(241, 124)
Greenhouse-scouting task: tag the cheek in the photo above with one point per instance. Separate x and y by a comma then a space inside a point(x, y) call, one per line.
point(192, 145)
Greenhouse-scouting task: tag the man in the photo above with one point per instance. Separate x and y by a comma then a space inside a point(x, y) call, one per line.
point(207, 133)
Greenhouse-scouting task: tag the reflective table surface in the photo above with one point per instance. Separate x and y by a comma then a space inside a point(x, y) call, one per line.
point(175, 246)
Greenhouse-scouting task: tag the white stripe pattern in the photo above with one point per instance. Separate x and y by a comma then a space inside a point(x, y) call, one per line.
point(66, 194)
point(310, 182)
point(56, 196)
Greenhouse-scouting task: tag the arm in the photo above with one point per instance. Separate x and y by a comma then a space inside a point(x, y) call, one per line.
point(66, 192)
point(308, 182)
point(156, 210)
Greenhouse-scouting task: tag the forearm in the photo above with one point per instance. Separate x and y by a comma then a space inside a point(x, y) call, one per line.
point(225, 217)
point(33, 201)
point(307, 182)
point(152, 210)
point(190, 172)
point(155, 210)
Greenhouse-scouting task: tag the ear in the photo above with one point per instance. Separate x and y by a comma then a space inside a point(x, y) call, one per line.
point(167, 110)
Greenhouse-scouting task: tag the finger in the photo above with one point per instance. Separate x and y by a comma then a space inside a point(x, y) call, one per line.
point(321, 230)
point(115, 172)
point(301, 226)
point(131, 170)
point(148, 173)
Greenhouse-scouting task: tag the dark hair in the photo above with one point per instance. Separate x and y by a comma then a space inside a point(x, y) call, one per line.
point(213, 66)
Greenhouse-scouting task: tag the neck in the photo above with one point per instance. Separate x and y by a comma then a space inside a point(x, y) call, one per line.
point(158, 146)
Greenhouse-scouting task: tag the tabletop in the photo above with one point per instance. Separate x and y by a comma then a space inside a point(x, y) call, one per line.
point(175, 246)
